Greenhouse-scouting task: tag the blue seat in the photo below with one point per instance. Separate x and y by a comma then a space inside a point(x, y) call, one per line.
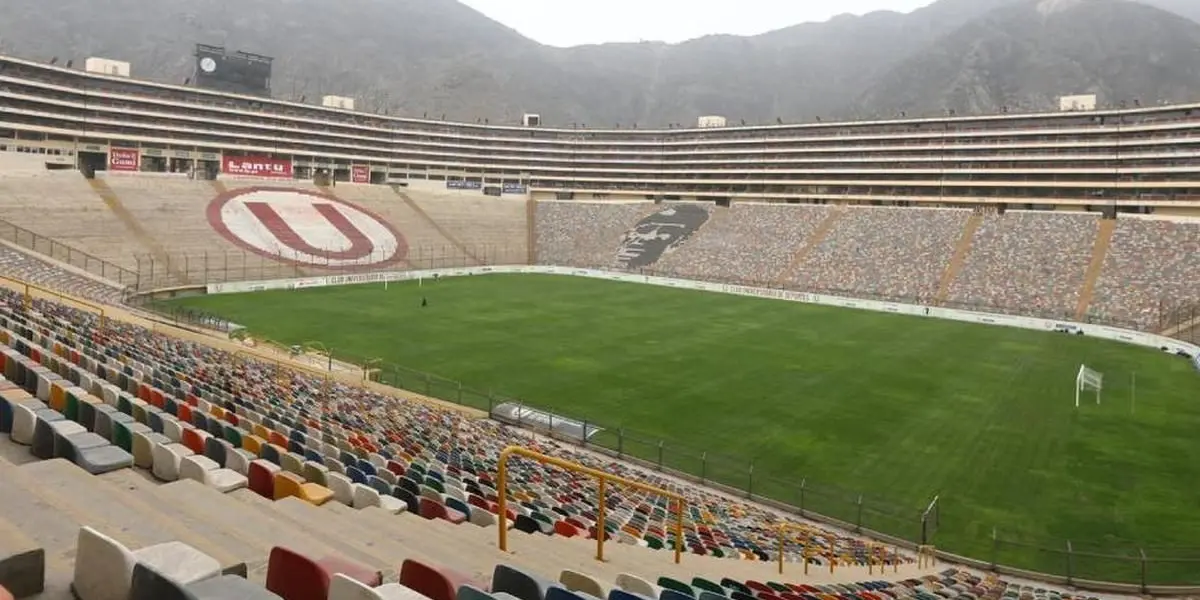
point(380, 485)
point(355, 475)
point(270, 453)
point(560, 593)
point(313, 455)
point(669, 594)
point(413, 502)
point(620, 594)
point(295, 447)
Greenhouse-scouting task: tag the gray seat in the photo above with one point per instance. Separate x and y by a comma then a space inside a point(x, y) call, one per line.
point(69, 446)
point(521, 584)
point(22, 563)
point(50, 424)
point(229, 587)
point(103, 459)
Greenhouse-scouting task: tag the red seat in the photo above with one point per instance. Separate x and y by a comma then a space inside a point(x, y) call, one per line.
point(293, 576)
point(365, 575)
point(193, 440)
point(758, 587)
point(232, 419)
point(565, 529)
point(427, 581)
point(277, 438)
point(185, 413)
point(432, 509)
point(396, 468)
point(262, 479)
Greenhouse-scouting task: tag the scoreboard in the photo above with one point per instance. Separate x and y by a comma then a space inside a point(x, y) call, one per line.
point(233, 72)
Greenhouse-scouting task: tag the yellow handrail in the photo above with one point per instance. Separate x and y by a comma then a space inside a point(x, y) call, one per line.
point(805, 554)
point(601, 477)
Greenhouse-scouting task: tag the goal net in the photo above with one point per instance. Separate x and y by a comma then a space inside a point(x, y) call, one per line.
point(1088, 380)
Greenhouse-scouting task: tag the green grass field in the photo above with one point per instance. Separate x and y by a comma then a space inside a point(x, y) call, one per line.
point(896, 408)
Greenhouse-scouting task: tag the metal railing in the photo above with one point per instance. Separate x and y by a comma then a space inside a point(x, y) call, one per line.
point(602, 480)
point(64, 253)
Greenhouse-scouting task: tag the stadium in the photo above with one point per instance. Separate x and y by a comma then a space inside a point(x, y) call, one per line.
point(256, 348)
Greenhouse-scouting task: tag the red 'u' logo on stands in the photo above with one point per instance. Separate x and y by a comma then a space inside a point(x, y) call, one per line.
point(305, 228)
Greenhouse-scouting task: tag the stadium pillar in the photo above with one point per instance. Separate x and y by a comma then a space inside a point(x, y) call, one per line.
point(803, 482)
point(1143, 561)
point(858, 521)
point(1070, 565)
point(750, 481)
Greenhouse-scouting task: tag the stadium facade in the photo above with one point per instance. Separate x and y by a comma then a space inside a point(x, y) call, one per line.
point(1140, 159)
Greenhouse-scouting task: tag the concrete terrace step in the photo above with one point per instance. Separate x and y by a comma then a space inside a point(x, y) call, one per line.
point(129, 517)
point(253, 530)
point(313, 537)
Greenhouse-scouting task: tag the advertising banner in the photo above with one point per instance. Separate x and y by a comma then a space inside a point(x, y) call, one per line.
point(360, 174)
point(514, 188)
point(256, 166)
point(123, 159)
point(459, 184)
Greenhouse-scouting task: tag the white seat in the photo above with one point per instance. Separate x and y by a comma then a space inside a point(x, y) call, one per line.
point(484, 518)
point(342, 587)
point(342, 487)
point(166, 460)
point(172, 428)
point(238, 460)
point(207, 471)
point(23, 422)
point(637, 585)
point(104, 567)
point(582, 582)
point(365, 497)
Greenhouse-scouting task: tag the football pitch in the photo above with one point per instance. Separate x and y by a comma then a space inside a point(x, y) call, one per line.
point(828, 404)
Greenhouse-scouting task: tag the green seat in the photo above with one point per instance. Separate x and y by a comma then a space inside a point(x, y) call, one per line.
point(717, 553)
point(72, 410)
point(779, 587)
point(655, 544)
point(233, 436)
point(122, 437)
point(435, 484)
point(124, 405)
point(701, 583)
point(675, 584)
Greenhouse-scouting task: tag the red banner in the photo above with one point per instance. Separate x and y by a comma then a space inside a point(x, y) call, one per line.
point(360, 174)
point(256, 166)
point(123, 159)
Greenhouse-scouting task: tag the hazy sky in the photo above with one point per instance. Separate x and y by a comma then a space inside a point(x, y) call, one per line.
point(575, 22)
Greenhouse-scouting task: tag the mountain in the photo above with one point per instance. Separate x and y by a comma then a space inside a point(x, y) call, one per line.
point(1025, 55)
point(439, 57)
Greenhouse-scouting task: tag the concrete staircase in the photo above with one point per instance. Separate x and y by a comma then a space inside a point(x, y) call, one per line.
point(1104, 234)
point(531, 228)
point(457, 243)
point(135, 228)
point(814, 240)
point(959, 258)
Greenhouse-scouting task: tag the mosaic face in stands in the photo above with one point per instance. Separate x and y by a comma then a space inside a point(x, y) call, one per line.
point(659, 234)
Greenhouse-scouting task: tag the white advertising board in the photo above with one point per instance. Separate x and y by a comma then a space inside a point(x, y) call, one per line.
point(1101, 331)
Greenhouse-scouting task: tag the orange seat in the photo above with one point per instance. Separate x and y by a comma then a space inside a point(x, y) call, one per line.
point(194, 439)
point(277, 438)
point(217, 412)
point(58, 397)
point(261, 431)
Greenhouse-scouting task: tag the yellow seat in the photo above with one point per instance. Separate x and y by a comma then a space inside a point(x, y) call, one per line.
point(291, 484)
point(315, 494)
point(287, 484)
point(261, 431)
point(253, 444)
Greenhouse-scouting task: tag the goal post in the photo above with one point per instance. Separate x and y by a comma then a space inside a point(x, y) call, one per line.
point(1088, 380)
